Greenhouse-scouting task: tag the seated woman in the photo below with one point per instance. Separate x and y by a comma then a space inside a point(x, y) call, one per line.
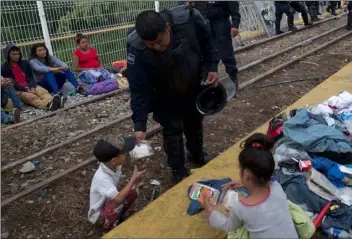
point(49, 72)
point(20, 72)
point(88, 65)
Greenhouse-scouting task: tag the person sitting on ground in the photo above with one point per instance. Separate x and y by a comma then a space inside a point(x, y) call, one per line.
point(107, 204)
point(21, 73)
point(49, 72)
point(266, 197)
point(87, 62)
point(10, 118)
point(9, 98)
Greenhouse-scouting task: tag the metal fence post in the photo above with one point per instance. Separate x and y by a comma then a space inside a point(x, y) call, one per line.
point(44, 25)
point(157, 6)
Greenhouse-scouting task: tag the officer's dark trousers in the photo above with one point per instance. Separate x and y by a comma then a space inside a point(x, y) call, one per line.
point(349, 20)
point(221, 34)
point(299, 7)
point(312, 10)
point(192, 127)
point(332, 7)
point(280, 9)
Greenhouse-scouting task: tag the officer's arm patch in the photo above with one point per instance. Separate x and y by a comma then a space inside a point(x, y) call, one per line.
point(130, 58)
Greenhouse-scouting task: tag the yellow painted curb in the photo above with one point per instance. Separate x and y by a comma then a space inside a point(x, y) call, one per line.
point(166, 217)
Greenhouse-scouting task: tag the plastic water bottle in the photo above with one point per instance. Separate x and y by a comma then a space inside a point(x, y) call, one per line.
point(336, 233)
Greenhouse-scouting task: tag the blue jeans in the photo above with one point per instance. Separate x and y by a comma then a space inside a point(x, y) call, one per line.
point(17, 103)
point(6, 118)
point(53, 82)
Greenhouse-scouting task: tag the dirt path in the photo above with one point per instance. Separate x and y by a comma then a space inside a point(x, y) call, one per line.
point(62, 211)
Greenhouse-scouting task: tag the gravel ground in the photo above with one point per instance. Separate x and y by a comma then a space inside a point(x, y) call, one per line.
point(47, 132)
point(31, 138)
point(13, 181)
point(61, 212)
point(246, 57)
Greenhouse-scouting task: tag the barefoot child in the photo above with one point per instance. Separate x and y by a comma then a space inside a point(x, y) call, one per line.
point(107, 204)
point(264, 213)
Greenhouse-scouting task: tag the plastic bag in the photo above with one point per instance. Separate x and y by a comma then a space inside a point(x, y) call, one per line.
point(230, 197)
point(284, 153)
point(143, 150)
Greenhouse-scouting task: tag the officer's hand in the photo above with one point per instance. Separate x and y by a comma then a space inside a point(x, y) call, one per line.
point(212, 79)
point(234, 32)
point(139, 135)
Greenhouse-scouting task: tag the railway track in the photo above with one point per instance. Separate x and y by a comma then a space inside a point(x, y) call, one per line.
point(74, 156)
point(50, 133)
point(116, 92)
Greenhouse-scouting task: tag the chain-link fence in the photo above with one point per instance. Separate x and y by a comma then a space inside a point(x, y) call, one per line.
point(105, 22)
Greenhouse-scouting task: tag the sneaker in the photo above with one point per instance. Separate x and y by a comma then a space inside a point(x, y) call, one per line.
point(55, 103)
point(308, 23)
point(279, 32)
point(16, 115)
point(349, 28)
point(80, 90)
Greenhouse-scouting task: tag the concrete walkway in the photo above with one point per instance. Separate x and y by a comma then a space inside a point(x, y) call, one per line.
point(166, 217)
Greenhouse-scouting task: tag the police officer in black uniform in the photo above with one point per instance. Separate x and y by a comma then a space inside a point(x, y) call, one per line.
point(299, 7)
point(218, 14)
point(282, 7)
point(166, 56)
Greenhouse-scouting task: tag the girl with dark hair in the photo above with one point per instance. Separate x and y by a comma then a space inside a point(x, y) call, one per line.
point(87, 62)
point(49, 72)
point(265, 212)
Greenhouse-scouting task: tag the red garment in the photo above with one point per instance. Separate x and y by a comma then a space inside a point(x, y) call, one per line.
point(20, 77)
point(111, 212)
point(87, 60)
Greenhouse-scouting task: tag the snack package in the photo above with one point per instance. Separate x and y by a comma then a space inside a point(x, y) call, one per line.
point(143, 150)
point(198, 188)
point(230, 197)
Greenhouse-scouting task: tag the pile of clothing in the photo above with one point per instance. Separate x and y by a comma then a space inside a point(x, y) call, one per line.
point(322, 135)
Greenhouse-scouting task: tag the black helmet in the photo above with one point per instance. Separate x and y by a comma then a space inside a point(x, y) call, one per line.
point(211, 100)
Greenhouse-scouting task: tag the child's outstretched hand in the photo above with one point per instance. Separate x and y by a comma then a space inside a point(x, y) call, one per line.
point(204, 201)
point(137, 174)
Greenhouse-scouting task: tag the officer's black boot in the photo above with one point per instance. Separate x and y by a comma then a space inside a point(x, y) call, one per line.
point(292, 28)
point(199, 159)
point(179, 174)
point(306, 21)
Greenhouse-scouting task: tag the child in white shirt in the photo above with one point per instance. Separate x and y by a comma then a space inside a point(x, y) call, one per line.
point(107, 204)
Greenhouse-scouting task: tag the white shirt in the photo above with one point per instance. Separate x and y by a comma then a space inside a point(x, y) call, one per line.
point(104, 187)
